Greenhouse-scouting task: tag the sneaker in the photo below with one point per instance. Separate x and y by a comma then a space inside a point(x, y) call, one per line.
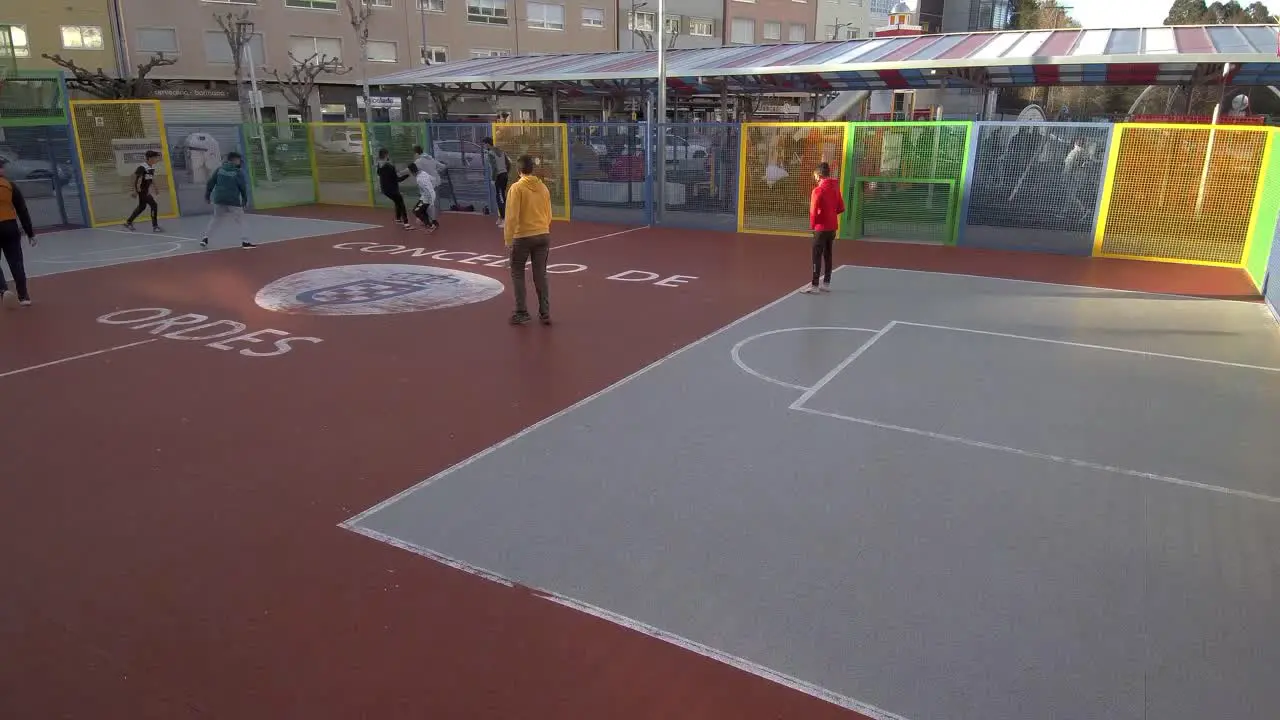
point(431, 228)
point(520, 318)
point(204, 242)
point(407, 226)
point(129, 226)
point(824, 287)
point(502, 223)
point(246, 244)
point(8, 298)
point(156, 229)
point(544, 319)
point(25, 302)
point(810, 289)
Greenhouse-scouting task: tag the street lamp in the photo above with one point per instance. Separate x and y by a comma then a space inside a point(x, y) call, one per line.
point(244, 30)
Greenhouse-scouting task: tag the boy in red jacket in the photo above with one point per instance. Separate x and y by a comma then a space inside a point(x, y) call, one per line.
point(826, 205)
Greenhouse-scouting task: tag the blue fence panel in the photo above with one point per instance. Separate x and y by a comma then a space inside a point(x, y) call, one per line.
point(701, 168)
point(607, 173)
point(1034, 186)
point(466, 185)
point(198, 150)
point(1271, 284)
point(42, 164)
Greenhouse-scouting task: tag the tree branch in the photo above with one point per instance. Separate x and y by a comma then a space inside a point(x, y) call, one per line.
point(100, 85)
point(300, 79)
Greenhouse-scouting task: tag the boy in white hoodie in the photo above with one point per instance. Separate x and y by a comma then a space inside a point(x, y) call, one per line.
point(425, 209)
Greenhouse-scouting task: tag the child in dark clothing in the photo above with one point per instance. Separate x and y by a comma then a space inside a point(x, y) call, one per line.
point(144, 188)
point(389, 180)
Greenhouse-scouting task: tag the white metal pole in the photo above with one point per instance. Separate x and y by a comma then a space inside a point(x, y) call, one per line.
point(1213, 136)
point(659, 122)
point(255, 101)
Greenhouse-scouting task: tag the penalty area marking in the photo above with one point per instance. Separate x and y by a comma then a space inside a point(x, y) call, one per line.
point(736, 352)
point(51, 363)
point(94, 256)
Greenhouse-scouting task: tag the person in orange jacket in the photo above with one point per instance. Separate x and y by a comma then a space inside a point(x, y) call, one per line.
point(826, 205)
point(14, 221)
point(527, 232)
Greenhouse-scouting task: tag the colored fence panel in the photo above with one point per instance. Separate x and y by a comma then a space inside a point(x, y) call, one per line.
point(278, 157)
point(1271, 281)
point(398, 139)
point(1266, 211)
point(467, 186)
point(112, 137)
point(41, 163)
point(608, 178)
point(32, 98)
point(702, 175)
point(1180, 193)
point(1034, 186)
point(548, 145)
point(340, 164)
point(908, 178)
point(197, 151)
point(776, 173)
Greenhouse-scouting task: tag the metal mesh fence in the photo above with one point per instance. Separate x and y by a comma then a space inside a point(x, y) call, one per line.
point(548, 145)
point(41, 163)
point(1266, 210)
point(608, 175)
point(112, 137)
point(197, 151)
point(702, 175)
point(278, 158)
point(1271, 279)
point(31, 96)
point(398, 139)
point(777, 172)
point(1180, 193)
point(340, 163)
point(1035, 186)
point(907, 180)
point(466, 185)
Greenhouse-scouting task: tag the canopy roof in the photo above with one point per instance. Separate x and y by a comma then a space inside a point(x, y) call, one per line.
point(1115, 56)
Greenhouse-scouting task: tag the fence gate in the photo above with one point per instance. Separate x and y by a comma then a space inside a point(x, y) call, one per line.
point(340, 164)
point(776, 176)
point(907, 180)
point(112, 138)
point(548, 145)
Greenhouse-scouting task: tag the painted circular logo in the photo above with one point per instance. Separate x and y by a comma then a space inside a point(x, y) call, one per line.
point(375, 290)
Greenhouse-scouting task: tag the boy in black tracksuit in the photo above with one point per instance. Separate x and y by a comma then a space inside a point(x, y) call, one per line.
point(144, 184)
point(389, 180)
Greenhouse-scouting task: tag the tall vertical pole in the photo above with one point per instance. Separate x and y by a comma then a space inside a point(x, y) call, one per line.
point(660, 119)
point(255, 101)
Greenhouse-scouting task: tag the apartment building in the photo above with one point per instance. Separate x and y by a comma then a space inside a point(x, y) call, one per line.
point(749, 22)
point(402, 34)
point(79, 30)
point(974, 15)
point(690, 24)
point(843, 19)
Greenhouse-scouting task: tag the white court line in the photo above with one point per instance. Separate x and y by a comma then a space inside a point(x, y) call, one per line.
point(1089, 346)
point(736, 353)
point(1041, 456)
point(160, 250)
point(51, 363)
point(643, 628)
point(601, 237)
point(810, 392)
point(181, 238)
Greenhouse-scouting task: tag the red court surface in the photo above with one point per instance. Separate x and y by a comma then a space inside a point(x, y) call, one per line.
point(169, 511)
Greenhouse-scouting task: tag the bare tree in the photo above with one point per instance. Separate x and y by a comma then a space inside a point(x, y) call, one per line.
point(299, 81)
point(647, 38)
point(101, 85)
point(234, 27)
point(358, 12)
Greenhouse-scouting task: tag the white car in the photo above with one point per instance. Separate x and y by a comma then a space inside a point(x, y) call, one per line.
point(345, 141)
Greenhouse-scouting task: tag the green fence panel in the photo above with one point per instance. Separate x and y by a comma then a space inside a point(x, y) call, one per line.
point(280, 162)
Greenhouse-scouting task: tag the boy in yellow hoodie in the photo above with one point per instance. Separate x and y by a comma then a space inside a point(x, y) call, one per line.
point(528, 233)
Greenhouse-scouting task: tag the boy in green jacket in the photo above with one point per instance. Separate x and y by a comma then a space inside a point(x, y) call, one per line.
point(229, 194)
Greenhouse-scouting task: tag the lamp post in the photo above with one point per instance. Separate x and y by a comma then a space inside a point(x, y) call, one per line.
point(244, 29)
point(658, 123)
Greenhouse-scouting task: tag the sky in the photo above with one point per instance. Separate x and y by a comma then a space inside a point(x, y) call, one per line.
point(1118, 13)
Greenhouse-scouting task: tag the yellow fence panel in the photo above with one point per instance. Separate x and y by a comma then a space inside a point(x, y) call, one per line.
point(1180, 193)
point(776, 173)
point(548, 145)
point(112, 139)
point(340, 163)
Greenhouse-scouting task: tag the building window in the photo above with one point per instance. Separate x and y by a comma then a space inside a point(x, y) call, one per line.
point(851, 33)
point(743, 31)
point(486, 53)
point(771, 31)
point(881, 7)
point(545, 16)
point(488, 12)
point(312, 4)
point(431, 5)
point(233, 2)
point(435, 54)
point(305, 47)
point(798, 33)
point(745, 1)
point(82, 37)
point(157, 40)
point(379, 3)
point(217, 51)
point(702, 27)
point(592, 17)
point(673, 25)
point(381, 51)
point(642, 21)
point(18, 34)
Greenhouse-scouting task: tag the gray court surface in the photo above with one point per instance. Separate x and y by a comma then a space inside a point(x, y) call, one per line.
point(86, 248)
point(946, 497)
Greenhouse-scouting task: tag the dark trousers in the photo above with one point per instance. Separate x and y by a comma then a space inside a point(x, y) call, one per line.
point(422, 211)
point(144, 202)
point(500, 189)
point(822, 251)
point(536, 248)
point(402, 214)
point(11, 249)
